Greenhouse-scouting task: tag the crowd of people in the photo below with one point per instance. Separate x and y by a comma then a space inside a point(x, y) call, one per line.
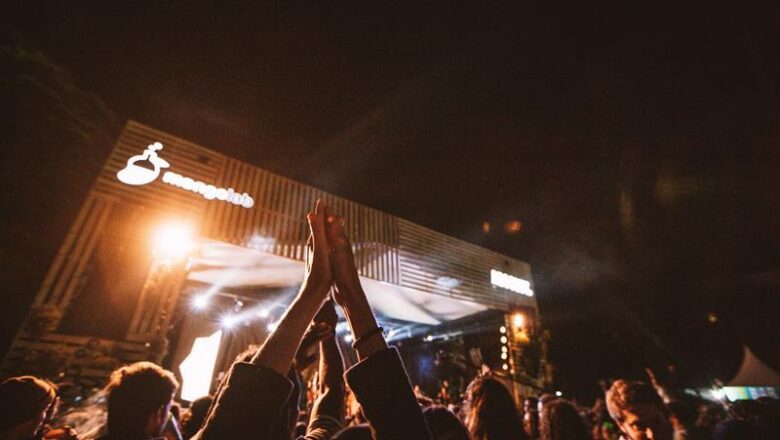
point(260, 397)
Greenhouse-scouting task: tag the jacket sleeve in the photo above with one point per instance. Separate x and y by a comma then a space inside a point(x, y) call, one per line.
point(382, 388)
point(249, 404)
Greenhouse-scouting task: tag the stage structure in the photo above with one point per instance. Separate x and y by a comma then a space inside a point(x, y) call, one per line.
point(183, 256)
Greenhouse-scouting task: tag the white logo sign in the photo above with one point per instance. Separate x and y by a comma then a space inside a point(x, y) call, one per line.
point(509, 282)
point(134, 174)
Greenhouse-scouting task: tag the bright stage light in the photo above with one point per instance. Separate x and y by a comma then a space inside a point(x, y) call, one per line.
point(518, 320)
point(504, 349)
point(198, 367)
point(173, 241)
point(558, 394)
point(200, 302)
point(505, 367)
point(504, 339)
point(504, 356)
point(229, 321)
point(502, 329)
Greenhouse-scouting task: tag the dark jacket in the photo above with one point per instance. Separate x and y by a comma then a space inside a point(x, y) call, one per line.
point(251, 402)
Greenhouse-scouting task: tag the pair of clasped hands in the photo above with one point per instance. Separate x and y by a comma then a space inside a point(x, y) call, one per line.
point(330, 266)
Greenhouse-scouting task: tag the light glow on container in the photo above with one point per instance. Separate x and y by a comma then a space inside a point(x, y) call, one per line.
point(173, 240)
point(510, 282)
point(200, 302)
point(197, 369)
point(518, 320)
point(229, 321)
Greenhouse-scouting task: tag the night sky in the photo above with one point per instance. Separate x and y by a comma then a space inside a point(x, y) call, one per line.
point(639, 147)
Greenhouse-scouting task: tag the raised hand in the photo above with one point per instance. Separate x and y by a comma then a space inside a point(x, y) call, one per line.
point(345, 274)
point(318, 267)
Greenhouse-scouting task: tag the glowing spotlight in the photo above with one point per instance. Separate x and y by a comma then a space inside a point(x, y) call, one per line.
point(518, 320)
point(200, 302)
point(229, 321)
point(272, 326)
point(504, 339)
point(558, 394)
point(505, 367)
point(504, 356)
point(502, 329)
point(173, 241)
point(504, 349)
point(348, 338)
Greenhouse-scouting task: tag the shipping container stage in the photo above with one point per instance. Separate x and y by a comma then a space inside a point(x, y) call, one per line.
point(183, 256)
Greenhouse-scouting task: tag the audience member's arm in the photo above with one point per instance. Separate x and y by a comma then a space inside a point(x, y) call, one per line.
point(279, 349)
point(379, 380)
point(251, 401)
point(327, 415)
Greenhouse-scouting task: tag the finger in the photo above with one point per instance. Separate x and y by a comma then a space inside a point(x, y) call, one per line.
point(317, 225)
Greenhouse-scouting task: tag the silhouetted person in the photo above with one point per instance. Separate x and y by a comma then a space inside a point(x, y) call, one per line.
point(25, 403)
point(193, 419)
point(561, 421)
point(139, 401)
point(638, 411)
point(491, 412)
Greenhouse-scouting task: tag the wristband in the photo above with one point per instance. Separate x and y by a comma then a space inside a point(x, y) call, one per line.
point(367, 335)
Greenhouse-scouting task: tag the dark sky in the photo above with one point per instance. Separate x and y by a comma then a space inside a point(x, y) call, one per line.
point(637, 145)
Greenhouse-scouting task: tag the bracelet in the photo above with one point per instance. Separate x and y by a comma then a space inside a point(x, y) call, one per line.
point(367, 335)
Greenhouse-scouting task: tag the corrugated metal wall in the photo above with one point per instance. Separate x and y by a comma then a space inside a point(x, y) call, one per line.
point(387, 248)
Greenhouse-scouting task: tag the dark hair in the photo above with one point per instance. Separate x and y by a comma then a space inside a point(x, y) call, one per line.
point(193, 419)
point(356, 432)
point(561, 421)
point(624, 395)
point(23, 399)
point(444, 425)
point(134, 392)
point(491, 413)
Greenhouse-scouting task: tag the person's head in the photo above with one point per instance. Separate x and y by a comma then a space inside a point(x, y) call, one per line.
point(26, 402)
point(561, 421)
point(356, 432)
point(638, 411)
point(444, 425)
point(193, 419)
point(491, 412)
point(139, 399)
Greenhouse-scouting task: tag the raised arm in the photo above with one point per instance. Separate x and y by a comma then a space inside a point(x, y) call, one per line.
point(327, 414)
point(379, 380)
point(255, 393)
